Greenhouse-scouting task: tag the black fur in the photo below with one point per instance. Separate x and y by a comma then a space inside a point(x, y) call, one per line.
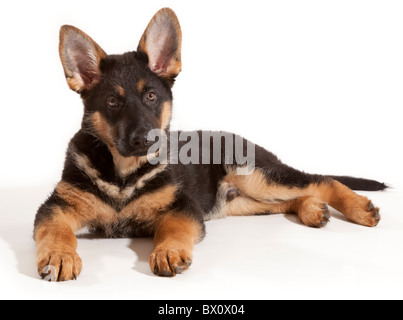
point(361, 184)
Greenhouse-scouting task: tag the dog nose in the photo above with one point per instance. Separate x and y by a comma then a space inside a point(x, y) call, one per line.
point(139, 139)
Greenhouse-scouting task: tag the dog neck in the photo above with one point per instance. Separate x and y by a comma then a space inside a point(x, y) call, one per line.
point(125, 166)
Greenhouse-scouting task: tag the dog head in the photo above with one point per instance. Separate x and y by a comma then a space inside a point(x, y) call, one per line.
point(125, 96)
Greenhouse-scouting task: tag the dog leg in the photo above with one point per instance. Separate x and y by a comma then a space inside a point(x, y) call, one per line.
point(174, 240)
point(355, 207)
point(312, 211)
point(66, 211)
point(57, 259)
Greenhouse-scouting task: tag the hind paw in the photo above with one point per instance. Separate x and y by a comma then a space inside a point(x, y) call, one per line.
point(313, 212)
point(362, 211)
point(368, 216)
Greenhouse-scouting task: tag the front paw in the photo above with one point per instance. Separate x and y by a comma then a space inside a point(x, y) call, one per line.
point(57, 265)
point(168, 262)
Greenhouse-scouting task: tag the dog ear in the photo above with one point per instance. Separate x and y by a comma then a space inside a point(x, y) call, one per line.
point(161, 43)
point(81, 57)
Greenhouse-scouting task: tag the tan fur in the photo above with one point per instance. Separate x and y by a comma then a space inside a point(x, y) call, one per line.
point(121, 91)
point(355, 207)
point(103, 129)
point(174, 241)
point(166, 114)
point(56, 247)
point(257, 187)
point(110, 189)
point(141, 84)
point(150, 206)
point(85, 206)
point(74, 83)
point(125, 166)
point(242, 206)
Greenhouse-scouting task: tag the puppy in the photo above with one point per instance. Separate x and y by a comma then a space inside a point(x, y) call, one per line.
point(121, 180)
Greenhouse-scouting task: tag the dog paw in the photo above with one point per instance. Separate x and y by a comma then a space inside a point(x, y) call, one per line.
point(367, 216)
point(314, 213)
point(361, 210)
point(59, 265)
point(166, 262)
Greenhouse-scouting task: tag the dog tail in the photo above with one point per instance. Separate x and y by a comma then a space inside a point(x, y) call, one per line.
point(360, 184)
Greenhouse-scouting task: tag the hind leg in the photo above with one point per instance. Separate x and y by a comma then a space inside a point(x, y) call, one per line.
point(253, 196)
point(307, 195)
point(312, 211)
point(355, 207)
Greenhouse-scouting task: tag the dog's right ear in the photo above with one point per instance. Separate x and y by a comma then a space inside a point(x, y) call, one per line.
point(81, 57)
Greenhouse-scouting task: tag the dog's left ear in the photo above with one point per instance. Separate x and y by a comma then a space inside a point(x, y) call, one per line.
point(161, 43)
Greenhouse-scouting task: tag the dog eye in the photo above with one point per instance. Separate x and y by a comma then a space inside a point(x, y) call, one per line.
point(112, 102)
point(151, 96)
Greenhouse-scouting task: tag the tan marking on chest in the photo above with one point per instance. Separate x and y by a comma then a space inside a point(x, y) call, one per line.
point(150, 206)
point(125, 166)
point(87, 208)
point(110, 189)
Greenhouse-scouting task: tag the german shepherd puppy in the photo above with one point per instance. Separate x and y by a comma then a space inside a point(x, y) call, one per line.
point(109, 184)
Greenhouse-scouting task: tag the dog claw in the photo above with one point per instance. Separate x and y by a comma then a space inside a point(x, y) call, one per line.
point(370, 206)
point(376, 214)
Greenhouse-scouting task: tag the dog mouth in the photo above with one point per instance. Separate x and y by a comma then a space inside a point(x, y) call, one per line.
point(132, 152)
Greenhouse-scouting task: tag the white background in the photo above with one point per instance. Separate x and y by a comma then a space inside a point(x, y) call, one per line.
point(319, 83)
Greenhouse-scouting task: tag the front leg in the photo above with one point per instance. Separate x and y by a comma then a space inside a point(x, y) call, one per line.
point(57, 259)
point(175, 237)
point(67, 210)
